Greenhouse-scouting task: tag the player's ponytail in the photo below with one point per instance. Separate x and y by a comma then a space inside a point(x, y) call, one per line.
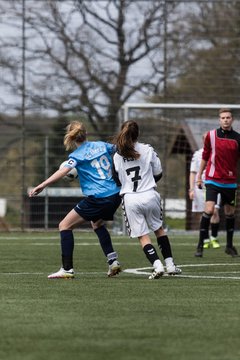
point(75, 133)
point(126, 139)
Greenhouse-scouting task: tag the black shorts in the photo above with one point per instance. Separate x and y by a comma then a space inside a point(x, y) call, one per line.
point(93, 209)
point(228, 195)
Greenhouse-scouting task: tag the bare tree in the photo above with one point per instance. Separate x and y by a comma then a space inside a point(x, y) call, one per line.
point(90, 56)
point(210, 70)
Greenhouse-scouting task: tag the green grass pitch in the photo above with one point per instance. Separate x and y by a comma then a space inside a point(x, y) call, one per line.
point(191, 317)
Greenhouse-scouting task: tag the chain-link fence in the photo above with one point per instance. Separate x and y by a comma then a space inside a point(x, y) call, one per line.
point(175, 131)
point(61, 60)
point(23, 167)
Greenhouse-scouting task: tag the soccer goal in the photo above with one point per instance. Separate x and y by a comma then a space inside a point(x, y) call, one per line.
point(175, 131)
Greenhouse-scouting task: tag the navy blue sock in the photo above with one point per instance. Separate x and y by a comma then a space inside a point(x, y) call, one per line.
point(104, 239)
point(67, 245)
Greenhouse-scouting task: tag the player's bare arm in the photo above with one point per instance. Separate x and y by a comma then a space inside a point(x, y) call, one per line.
point(52, 179)
point(201, 169)
point(192, 179)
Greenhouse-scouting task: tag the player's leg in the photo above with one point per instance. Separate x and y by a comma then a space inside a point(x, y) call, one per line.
point(71, 221)
point(99, 210)
point(204, 226)
point(165, 247)
point(211, 199)
point(135, 209)
point(214, 223)
point(104, 238)
point(107, 247)
point(229, 211)
point(154, 218)
point(198, 205)
point(152, 256)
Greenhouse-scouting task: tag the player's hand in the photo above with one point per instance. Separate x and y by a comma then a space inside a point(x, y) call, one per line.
point(191, 194)
point(200, 184)
point(35, 191)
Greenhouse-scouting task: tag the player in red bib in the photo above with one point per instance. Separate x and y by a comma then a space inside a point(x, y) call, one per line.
point(220, 156)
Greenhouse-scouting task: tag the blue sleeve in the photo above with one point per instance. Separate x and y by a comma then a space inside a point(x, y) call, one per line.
point(111, 149)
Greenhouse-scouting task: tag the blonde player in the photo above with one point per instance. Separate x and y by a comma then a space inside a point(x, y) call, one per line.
point(137, 168)
point(198, 199)
point(93, 162)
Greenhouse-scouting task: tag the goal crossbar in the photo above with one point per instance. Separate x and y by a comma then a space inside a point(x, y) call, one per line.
point(127, 106)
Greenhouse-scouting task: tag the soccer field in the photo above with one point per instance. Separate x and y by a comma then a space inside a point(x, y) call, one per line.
point(189, 317)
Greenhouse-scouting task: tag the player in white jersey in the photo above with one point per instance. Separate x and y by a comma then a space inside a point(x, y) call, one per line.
point(198, 199)
point(137, 168)
point(93, 161)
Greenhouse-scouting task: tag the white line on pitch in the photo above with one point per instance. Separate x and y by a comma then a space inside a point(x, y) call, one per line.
point(77, 242)
point(210, 264)
point(140, 271)
point(41, 273)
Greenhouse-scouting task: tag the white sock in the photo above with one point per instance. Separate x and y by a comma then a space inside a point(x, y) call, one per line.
point(169, 261)
point(157, 263)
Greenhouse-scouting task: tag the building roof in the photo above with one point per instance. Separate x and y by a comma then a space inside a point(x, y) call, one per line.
point(188, 137)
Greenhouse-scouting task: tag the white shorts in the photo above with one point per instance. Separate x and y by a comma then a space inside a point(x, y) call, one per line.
point(142, 212)
point(198, 203)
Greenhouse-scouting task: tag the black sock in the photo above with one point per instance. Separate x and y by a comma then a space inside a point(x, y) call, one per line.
point(164, 246)
point(230, 222)
point(67, 245)
point(150, 253)
point(204, 225)
point(105, 241)
point(214, 229)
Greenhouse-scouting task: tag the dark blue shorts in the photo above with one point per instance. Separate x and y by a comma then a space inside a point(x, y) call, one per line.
point(93, 209)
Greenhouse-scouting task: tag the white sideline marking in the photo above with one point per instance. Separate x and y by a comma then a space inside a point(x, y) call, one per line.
point(142, 271)
point(118, 242)
point(41, 273)
point(57, 244)
point(79, 243)
point(83, 244)
point(21, 273)
point(213, 264)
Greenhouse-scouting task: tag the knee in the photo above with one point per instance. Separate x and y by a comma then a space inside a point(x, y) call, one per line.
point(62, 226)
point(160, 232)
point(229, 211)
point(209, 208)
point(96, 225)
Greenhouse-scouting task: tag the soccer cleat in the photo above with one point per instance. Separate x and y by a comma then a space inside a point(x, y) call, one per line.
point(62, 274)
point(231, 251)
point(114, 269)
point(199, 252)
point(214, 243)
point(157, 273)
point(206, 244)
point(173, 270)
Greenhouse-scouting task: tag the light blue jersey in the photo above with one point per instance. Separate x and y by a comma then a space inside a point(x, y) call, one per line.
point(93, 162)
